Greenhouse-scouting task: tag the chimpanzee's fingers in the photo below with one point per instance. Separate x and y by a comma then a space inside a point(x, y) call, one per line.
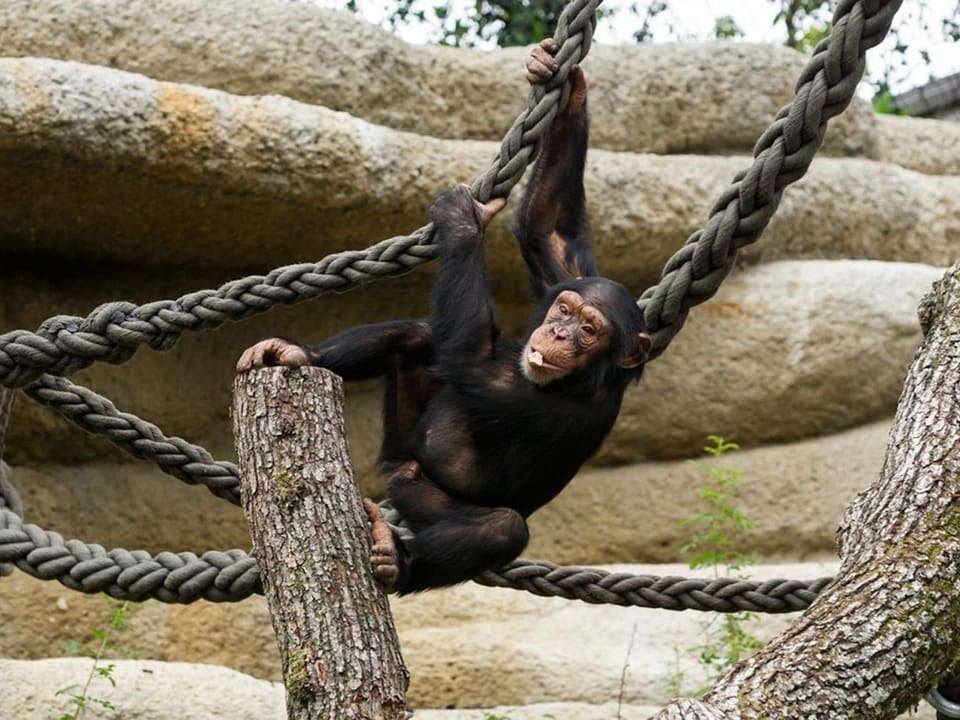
point(252, 357)
point(540, 64)
point(274, 351)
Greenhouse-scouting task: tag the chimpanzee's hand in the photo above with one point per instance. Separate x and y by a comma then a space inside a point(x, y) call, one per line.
point(274, 351)
point(541, 65)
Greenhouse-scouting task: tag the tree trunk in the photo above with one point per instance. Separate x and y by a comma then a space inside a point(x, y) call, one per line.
point(339, 647)
point(889, 626)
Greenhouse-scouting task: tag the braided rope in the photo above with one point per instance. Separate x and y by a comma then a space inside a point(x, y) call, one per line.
point(593, 585)
point(233, 575)
point(782, 156)
point(168, 577)
point(174, 456)
point(113, 331)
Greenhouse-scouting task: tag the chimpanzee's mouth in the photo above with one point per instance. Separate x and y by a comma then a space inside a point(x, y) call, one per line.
point(535, 360)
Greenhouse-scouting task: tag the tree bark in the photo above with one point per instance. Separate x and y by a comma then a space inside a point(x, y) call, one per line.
point(341, 657)
point(888, 627)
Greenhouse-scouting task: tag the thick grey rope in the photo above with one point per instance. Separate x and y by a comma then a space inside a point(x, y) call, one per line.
point(233, 575)
point(175, 456)
point(782, 155)
point(112, 333)
point(168, 577)
point(826, 87)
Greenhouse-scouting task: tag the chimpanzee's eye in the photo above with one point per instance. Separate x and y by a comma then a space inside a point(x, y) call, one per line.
point(589, 330)
point(564, 310)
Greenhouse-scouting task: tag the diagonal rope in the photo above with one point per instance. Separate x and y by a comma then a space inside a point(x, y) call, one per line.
point(782, 156)
point(175, 456)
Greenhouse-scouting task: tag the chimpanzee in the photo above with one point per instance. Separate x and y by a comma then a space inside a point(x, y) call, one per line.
point(479, 430)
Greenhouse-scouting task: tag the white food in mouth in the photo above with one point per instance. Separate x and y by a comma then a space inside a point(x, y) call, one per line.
point(535, 358)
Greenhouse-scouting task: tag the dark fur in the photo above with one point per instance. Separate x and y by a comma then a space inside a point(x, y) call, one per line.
point(491, 446)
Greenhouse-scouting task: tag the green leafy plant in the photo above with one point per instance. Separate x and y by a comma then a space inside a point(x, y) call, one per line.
point(80, 697)
point(713, 546)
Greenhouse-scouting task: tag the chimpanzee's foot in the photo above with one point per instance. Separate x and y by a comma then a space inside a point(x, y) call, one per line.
point(458, 210)
point(384, 558)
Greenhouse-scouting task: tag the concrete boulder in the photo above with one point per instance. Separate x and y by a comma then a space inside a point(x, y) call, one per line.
point(665, 98)
point(139, 172)
point(784, 351)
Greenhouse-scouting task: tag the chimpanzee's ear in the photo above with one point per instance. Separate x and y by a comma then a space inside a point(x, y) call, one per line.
point(639, 354)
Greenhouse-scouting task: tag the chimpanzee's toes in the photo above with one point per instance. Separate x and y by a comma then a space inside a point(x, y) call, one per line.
point(385, 565)
point(384, 558)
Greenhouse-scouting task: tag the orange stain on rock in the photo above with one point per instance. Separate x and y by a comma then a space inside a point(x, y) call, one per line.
point(188, 119)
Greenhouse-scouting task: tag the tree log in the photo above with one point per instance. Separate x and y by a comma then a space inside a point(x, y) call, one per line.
point(888, 627)
point(341, 657)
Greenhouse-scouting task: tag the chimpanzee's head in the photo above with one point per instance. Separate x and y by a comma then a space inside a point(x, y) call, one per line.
point(590, 326)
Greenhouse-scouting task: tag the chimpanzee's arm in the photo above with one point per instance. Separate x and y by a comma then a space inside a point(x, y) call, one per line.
point(464, 327)
point(553, 228)
point(358, 353)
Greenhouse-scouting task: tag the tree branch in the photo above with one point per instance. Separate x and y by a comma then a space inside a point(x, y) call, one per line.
point(340, 653)
point(889, 626)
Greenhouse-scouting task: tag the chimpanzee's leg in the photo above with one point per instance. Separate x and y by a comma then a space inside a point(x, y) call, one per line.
point(453, 540)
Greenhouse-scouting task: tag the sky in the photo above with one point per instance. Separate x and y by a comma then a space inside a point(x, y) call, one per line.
point(693, 19)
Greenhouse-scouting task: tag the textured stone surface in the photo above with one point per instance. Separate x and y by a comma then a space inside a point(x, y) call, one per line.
point(664, 98)
point(155, 691)
point(143, 690)
point(108, 167)
point(918, 143)
point(795, 495)
point(784, 351)
point(467, 647)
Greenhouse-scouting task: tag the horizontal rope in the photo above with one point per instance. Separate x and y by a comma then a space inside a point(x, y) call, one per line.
point(592, 585)
point(233, 575)
point(127, 575)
